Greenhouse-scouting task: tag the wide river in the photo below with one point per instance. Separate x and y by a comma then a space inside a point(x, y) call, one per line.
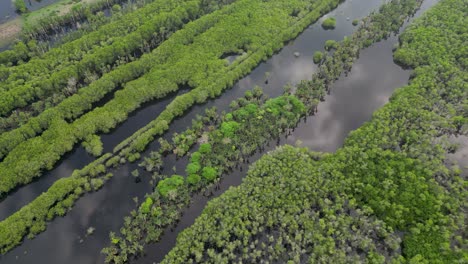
point(351, 103)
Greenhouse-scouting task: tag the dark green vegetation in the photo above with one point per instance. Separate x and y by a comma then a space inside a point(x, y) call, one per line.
point(90, 56)
point(172, 64)
point(386, 195)
point(226, 146)
point(192, 55)
point(242, 132)
point(329, 23)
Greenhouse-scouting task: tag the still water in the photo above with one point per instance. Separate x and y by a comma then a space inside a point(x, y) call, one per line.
point(351, 102)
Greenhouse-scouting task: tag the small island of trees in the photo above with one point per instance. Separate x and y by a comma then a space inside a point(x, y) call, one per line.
point(329, 23)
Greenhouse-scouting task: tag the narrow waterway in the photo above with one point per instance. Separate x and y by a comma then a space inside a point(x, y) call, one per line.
point(352, 101)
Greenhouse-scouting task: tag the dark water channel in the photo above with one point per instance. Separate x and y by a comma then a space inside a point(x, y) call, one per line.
point(352, 101)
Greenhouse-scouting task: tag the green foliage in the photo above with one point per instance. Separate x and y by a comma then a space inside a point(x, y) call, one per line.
point(193, 179)
point(318, 57)
point(93, 145)
point(285, 206)
point(193, 168)
point(229, 128)
point(221, 31)
point(355, 22)
point(20, 6)
point(219, 155)
point(329, 23)
point(145, 207)
point(258, 122)
point(135, 173)
point(390, 174)
point(152, 162)
point(184, 141)
point(196, 157)
point(261, 122)
point(170, 185)
point(209, 173)
point(331, 44)
point(205, 148)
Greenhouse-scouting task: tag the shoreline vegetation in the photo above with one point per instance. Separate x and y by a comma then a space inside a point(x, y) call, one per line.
point(277, 21)
point(387, 195)
point(247, 128)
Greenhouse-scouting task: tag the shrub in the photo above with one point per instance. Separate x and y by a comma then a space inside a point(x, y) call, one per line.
point(329, 23)
point(146, 206)
point(209, 173)
point(170, 184)
point(193, 179)
point(318, 56)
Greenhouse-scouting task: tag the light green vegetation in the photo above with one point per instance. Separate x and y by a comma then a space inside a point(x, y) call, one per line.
point(172, 64)
point(290, 219)
point(93, 145)
point(43, 151)
point(330, 45)
point(183, 58)
point(90, 56)
point(253, 122)
point(390, 176)
point(318, 56)
point(247, 136)
point(329, 23)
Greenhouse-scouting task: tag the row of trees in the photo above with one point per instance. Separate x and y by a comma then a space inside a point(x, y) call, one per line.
point(57, 192)
point(91, 66)
point(286, 211)
point(183, 54)
point(251, 124)
point(197, 64)
point(39, 45)
point(375, 27)
point(93, 53)
point(77, 104)
point(39, 29)
point(32, 219)
point(197, 176)
point(264, 47)
point(390, 177)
